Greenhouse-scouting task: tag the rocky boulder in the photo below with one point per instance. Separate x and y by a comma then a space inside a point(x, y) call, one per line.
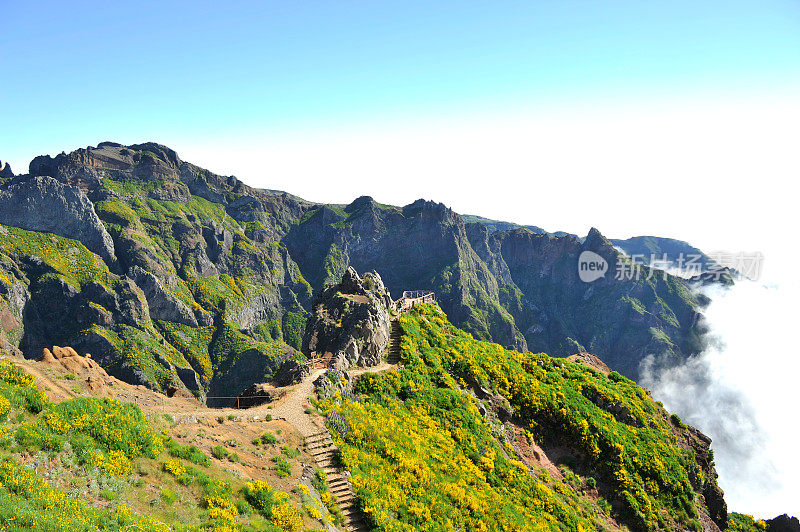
point(259, 394)
point(45, 204)
point(290, 372)
point(350, 320)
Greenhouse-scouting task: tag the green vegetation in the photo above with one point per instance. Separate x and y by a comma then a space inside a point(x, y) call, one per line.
point(187, 452)
point(745, 523)
point(103, 449)
point(419, 449)
point(68, 258)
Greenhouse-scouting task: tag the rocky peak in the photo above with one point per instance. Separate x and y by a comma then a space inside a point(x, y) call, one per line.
point(429, 208)
point(5, 171)
point(359, 203)
point(163, 153)
point(350, 321)
point(595, 241)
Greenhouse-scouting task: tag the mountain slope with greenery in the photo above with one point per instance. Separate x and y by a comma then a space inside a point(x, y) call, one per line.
point(439, 444)
point(83, 462)
point(181, 279)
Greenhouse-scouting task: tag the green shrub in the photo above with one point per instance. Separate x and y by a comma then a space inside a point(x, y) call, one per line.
point(168, 496)
point(282, 467)
point(677, 421)
point(112, 424)
point(219, 452)
point(187, 452)
point(291, 453)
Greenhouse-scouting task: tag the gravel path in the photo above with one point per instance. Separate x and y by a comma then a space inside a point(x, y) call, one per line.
point(293, 408)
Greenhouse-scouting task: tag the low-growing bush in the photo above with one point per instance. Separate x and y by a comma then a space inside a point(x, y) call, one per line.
point(282, 467)
point(187, 452)
point(273, 505)
point(219, 452)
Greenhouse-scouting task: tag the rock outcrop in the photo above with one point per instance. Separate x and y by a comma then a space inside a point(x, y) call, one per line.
point(350, 320)
point(259, 394)
point(45, 204)
point(713, 495)
point(5, 171)
point(163, 305)
point(783, 523)
point(82, 367)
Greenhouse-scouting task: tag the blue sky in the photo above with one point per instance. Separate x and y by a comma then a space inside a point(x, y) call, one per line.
point(77, 74)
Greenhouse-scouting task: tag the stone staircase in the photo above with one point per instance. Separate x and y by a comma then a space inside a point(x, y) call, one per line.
point(393, 347)
point(321, 447)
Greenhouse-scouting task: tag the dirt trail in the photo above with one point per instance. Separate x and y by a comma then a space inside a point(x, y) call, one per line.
point(291, 408)
point(87, 376)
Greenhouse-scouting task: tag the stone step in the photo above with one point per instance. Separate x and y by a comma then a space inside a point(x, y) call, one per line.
point(323, 453)
point(328, 448)
point(317, 441)
point(345, 500)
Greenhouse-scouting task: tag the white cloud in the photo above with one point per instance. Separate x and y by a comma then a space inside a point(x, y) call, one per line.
point(742, 392)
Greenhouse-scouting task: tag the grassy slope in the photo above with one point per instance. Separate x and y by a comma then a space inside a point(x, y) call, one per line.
point(88, 462)
point(418, 447)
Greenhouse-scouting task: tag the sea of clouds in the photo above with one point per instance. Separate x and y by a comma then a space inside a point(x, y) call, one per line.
point(743, 391)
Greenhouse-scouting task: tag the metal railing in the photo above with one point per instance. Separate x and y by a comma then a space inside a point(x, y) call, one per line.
point(411, 298)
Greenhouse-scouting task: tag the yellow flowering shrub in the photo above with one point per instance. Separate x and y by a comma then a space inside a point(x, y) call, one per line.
point(5, 407)
point(11, 374)
point(272, 504)
point(113, 463)
point(221, 509)
point(111, 424)
point(28, 502)
point(312, 511)
point(286, 516)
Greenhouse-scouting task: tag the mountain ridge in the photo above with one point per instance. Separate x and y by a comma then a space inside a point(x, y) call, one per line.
point(208, 277)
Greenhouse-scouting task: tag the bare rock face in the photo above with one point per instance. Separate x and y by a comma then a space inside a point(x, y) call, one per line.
point(289, 372)
point(45, 204)
point(98, 381)
point(163, 305)
point(351, 321)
